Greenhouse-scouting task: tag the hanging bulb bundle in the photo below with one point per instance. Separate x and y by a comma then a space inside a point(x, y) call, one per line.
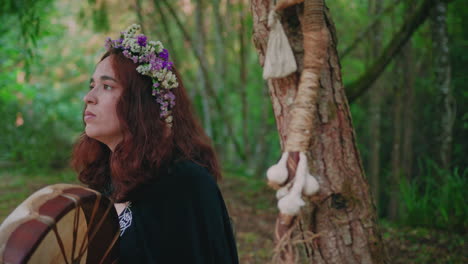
point(290, 198)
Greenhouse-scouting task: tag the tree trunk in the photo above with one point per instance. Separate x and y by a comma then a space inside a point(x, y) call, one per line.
point(409, 73)
point(398, 87)
point(199, 36)
point(243, 79)
point(219, 50)
point(375, 101)
point(259, 160)
point(396, 144)
point(342, 213)
point(408, 112)
point(139, 14)
point(443, 77)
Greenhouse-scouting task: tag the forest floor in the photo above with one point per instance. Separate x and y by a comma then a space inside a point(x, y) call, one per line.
point(252, 207)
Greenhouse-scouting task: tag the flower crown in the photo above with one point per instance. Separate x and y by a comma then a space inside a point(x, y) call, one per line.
point(153, 60)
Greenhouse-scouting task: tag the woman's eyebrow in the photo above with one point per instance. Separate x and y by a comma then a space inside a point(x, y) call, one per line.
point(103, 78)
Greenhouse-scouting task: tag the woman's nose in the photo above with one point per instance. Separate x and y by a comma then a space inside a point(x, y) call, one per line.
point(90, 98)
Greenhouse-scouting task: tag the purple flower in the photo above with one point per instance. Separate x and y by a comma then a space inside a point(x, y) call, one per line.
point(146, 58)
point(164, 54)
point(142, 40)
point(169, 65)
point(108, 43)
point(170, 95)
point(156, 64)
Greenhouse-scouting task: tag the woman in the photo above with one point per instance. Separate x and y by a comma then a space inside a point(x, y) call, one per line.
point(144, 149)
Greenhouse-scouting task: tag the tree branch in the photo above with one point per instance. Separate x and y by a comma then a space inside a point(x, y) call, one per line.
point(140, 16)
point(166, 29)
point(209, 87)
point(366, 32)
point(360, 86)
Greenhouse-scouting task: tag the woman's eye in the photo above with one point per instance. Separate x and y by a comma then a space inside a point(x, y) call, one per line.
point(91, 87)
point(107, 87)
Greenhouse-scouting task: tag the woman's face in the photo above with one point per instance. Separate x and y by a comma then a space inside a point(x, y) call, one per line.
point(100, 115)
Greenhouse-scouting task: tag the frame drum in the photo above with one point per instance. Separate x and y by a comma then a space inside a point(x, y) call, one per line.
point(61, 223)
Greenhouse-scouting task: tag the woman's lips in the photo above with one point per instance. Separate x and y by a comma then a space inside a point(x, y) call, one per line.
point(88, 115)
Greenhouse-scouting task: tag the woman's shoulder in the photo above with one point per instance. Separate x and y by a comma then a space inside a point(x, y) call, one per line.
point(190, 172)
point(184, 175)
point(186, 184)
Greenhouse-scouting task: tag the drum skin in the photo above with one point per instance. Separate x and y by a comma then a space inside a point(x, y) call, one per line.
point(61, 223)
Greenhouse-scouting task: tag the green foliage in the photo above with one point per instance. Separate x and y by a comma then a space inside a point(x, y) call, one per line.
point(26, 16)
point(42, 141)
point(436, 198)
point(40, 117)
point(100, 18)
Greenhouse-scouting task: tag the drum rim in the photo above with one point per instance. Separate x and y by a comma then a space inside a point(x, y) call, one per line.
point(67, 198)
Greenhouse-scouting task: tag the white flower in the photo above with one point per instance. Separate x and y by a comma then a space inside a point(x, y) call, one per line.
point(168, 76)
point(144, 69)
point(158, 46)
point(134, 47)
point(132, 29)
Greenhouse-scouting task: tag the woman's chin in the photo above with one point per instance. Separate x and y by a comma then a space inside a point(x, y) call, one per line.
point(92, 133)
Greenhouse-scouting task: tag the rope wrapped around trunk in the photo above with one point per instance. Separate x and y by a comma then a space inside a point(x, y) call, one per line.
point(300, 128)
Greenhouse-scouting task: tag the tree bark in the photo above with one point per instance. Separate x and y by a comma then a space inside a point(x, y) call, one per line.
point(442, 70)
point(396, 144)
point(220, 45)
point(402, 122)
point(409, 73)
point(139, 14)
point(167, 32)
point(243, 79)
point(342, 213)
point(375, 101)
point(200, 36)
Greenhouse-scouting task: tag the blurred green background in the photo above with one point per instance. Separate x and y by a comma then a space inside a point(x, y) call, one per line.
point(48, 50)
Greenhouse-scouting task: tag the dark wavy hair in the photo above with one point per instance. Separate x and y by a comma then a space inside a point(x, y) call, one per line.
point(149, 146)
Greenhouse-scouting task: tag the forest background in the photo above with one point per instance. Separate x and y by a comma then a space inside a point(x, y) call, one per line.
point(411, 124)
